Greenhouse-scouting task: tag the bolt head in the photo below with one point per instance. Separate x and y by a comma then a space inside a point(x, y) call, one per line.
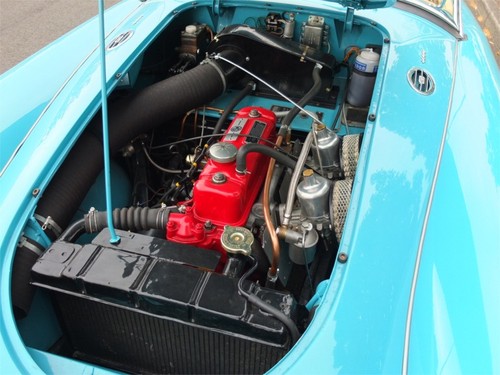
point(219, 178)
point(342, 257)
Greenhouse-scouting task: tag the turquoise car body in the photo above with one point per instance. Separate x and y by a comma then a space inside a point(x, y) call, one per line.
point(419, 290)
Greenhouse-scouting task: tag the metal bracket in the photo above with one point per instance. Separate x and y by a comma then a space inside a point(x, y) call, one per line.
point(35, 232)
point(216, 4)
point(356, 4)
point(318, 296)
point(349, 19)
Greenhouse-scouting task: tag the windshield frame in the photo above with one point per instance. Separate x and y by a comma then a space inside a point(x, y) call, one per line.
point(454, 20)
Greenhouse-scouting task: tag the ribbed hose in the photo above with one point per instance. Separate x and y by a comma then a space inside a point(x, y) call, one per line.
point(128, 118)
point(140, 113)
point(26, 256)
point(134, 219)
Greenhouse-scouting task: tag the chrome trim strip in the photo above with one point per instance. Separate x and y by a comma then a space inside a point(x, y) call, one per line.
point(459, 20)
point(406, 348)
point(420, 12)
point(455, 22)
point(23, 141)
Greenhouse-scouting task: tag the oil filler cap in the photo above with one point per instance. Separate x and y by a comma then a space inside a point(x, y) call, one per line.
point(223, 152)
point(237, 240)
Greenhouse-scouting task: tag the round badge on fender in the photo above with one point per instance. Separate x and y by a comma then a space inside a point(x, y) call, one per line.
point(119, 40)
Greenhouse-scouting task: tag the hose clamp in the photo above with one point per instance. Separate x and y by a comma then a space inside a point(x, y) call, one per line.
point(30, 246)
point(92, 220)
point(162, 217)
point(219, 70)
point(50, 224)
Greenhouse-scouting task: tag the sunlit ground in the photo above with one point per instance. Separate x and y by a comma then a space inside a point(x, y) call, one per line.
point(492, 35)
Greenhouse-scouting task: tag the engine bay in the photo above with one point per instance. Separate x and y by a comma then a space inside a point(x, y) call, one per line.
point(235, 141)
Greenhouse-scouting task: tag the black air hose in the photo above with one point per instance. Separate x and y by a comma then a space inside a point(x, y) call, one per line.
point(22, 292)
point(241, 157)
point(128, 117)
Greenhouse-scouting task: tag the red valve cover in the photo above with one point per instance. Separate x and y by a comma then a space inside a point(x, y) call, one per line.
point(226, 202)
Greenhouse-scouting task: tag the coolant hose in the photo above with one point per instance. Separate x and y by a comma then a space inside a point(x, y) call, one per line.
point(74, 231)
point(250, 86)
point(134, 219)
point(264, 306)
point(241, 156)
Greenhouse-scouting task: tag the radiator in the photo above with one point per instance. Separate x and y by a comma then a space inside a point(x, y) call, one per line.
point(148, 305)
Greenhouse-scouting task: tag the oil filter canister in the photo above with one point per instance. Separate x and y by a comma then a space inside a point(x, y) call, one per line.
point(363, 78)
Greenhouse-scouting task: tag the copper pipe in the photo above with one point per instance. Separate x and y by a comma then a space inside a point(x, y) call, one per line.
point(267, 214)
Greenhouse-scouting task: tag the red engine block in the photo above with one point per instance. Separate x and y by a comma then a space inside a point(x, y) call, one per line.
point(221, 196)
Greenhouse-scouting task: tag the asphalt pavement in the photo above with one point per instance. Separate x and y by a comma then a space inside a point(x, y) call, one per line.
point(487, 13)
point(28, 25)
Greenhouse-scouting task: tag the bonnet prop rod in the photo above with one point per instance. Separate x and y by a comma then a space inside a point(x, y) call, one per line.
point(114, 239)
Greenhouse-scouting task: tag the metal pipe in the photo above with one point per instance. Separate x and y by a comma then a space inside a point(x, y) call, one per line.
point(296, 174)
point(266, 205)
point(290, 199)
point(306, 146)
